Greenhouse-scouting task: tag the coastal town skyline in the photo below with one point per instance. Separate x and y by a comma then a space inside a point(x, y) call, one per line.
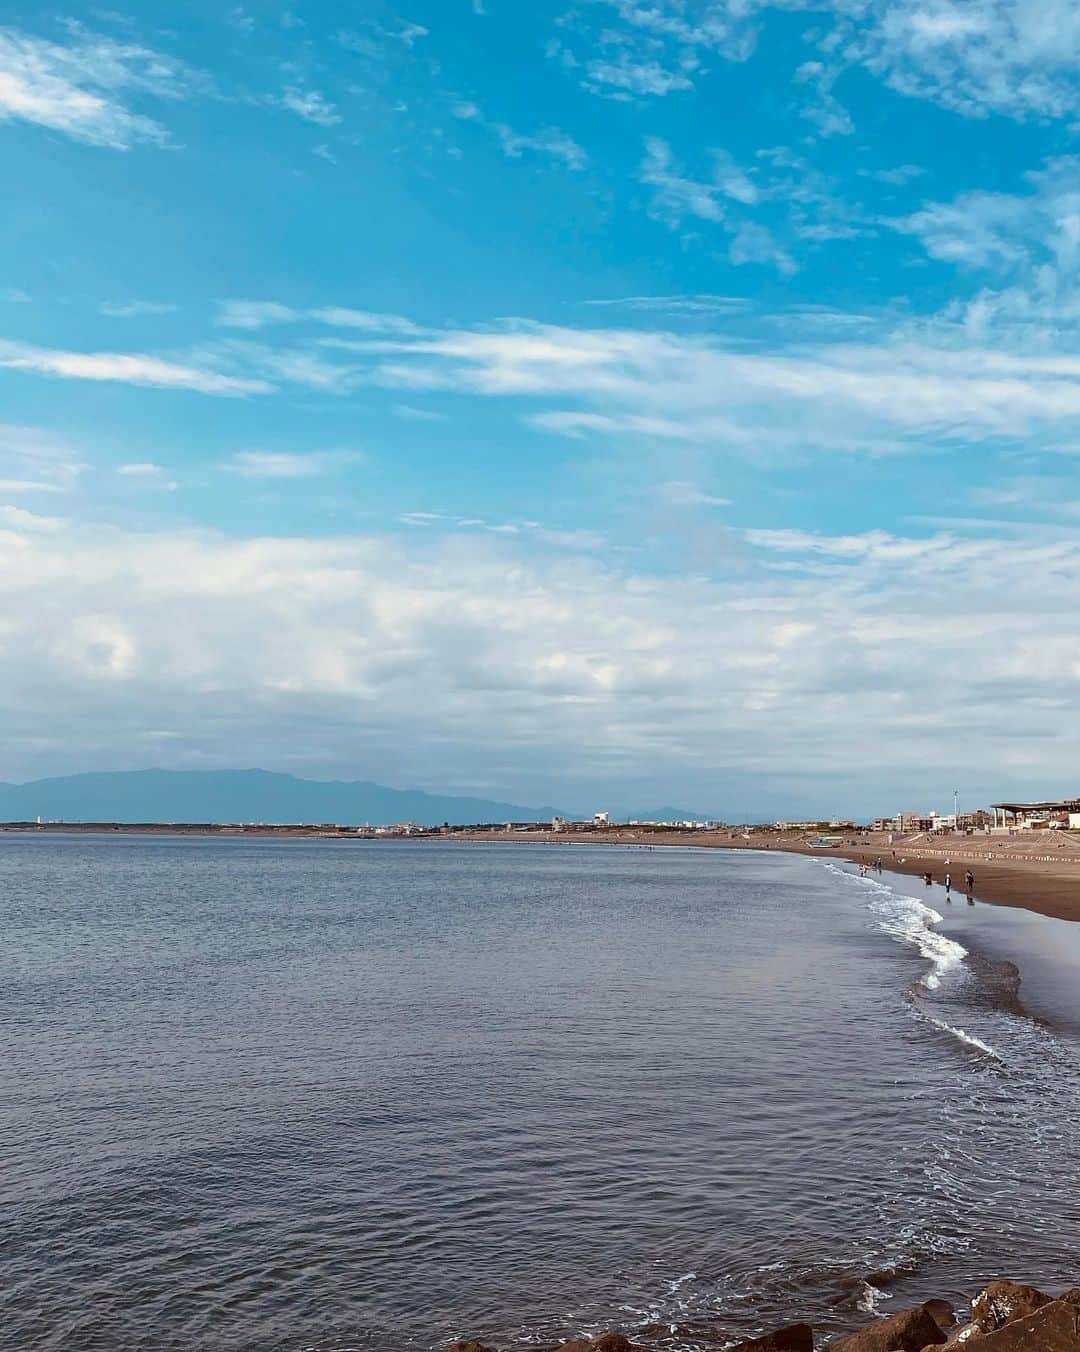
point(549, 403)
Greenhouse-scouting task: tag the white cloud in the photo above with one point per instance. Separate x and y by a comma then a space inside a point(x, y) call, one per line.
point(628, 76)
point(1019, 58)
point(679, 493)
point(827, 113)
point(126, 368)
point(754, 243)
point(674, 196)
point(78, 87)
point(1029, 240)
point(255, 314)
point(1016, 58)
point(901, 392)
point(311, 105)
point(146, 475)
point(692, 305)
point(978, 229)
point(258, 314)
point(653, 49)
point(548, 141)
point(434, 651)
point(31, 461)
point(341, 316)
point(288, 464)
point(135, 309)
point(273, 465)
point(677, 199)
point(18, 518)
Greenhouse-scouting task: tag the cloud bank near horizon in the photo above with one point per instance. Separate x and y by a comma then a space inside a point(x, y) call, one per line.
point(816, 659)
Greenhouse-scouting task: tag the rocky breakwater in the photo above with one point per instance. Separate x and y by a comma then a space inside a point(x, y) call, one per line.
point(1005, 1317)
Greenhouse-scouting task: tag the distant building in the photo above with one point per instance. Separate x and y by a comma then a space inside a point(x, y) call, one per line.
point(601, 819)
point(1053, 815)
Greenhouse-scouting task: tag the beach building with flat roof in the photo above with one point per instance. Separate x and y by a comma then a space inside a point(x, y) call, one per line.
point(1052, 815)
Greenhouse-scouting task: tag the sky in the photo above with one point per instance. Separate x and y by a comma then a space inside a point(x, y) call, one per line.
point(612, 403)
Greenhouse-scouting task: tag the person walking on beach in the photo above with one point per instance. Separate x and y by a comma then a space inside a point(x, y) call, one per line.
point(948, 886)
point(969, 881)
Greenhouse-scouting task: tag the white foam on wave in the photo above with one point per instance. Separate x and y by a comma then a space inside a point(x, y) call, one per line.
point(912, 922)
point(870, 1297)
point(969, 1039)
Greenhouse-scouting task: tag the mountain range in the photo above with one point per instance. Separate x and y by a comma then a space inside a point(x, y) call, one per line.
point(214, 796)
point(243, 796)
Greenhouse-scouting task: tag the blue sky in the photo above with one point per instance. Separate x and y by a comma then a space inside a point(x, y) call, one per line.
point(629, 400)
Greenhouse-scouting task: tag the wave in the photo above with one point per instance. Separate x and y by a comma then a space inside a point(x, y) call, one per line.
point(969, 1039)
point(912, 922)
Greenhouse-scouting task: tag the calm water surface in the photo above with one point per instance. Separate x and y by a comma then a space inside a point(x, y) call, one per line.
point(319, 1095)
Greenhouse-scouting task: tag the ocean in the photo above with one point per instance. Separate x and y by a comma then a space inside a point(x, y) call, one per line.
point(320, 1095)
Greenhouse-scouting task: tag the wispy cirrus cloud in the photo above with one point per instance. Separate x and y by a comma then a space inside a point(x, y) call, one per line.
point(677, 198)
point(311, 105)
point(33, 461)
point(289, 464)
point(259, 314)
point(129, 368)
point(82, 87)
point(901, 392)
point(547, 142)
point(977, 57)
point(135, 309)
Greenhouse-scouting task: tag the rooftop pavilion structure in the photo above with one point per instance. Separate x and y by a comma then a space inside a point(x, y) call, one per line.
point(1036, 816)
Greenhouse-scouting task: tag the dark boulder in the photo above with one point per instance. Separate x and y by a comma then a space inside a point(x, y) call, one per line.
point(1053, 1328)
point(793, 1338)
point(907, 1331)
point(942, 1313)
point(1002, 1302)
point(603, 1342)
point(467, 1347)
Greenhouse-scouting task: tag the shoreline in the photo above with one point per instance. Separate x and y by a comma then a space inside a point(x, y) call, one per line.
point(1032, 880)
point(1035, 872)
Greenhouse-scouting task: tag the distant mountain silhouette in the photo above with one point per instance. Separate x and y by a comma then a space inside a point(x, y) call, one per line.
point(669, 814)
point(243, 796)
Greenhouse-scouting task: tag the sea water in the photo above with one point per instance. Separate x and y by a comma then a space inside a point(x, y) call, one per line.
point(339, 1095)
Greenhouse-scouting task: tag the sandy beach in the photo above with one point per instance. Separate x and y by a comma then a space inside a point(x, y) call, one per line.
point(1039, 871)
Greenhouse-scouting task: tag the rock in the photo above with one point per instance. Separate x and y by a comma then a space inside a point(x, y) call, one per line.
point(941, 1312)
point(603, 1342)
point(1053, 1328)
point(1002, 1302)
point(467, 1347)
point(793, 1338)
point(907, 1331)
point(1071, 1297)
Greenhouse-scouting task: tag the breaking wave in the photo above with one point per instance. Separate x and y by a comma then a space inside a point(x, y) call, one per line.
point(912, 922)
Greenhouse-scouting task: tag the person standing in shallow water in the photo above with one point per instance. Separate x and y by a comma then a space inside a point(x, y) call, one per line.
point(948, 887)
